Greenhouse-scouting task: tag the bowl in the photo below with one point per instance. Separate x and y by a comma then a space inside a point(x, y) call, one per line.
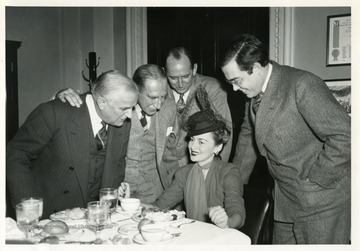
point(130, 204)
point(153, 232)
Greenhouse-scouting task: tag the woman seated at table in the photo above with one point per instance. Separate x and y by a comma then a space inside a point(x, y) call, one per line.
point(210, 188)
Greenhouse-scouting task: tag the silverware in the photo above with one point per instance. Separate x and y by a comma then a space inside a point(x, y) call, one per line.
point(189, 222)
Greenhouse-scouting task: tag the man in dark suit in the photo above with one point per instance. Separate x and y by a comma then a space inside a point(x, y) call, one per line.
point(304, 134)
point(65, 154)
point(151, 123)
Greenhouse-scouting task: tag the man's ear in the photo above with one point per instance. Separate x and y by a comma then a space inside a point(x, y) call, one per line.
point(194, 69)
point(101, 102)
point(257, 67)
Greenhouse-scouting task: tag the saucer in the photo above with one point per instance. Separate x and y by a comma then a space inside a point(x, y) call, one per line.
point(129, 229)
point(121, 211)
point(140, 240)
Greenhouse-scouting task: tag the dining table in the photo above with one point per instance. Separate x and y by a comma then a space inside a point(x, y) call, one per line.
point(122, 229)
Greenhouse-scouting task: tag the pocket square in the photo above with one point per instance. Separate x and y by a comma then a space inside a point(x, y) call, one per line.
point(169, 130)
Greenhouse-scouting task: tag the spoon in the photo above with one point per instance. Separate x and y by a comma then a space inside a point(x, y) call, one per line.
point(189, 222)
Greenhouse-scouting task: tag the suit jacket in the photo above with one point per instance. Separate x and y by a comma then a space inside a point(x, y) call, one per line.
point(304, 134)
point(218, 97)
point(50, 156)
point(163, 120)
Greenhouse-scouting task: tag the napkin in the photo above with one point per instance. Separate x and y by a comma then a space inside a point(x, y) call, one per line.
point(12, 231)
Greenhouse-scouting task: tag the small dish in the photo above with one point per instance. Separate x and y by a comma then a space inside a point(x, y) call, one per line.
point(129, 229)
point(166, 239)
point(70, 214)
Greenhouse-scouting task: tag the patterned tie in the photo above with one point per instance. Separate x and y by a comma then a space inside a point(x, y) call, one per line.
point(180, 105)
point(101, 137)
point(256, 102)
point(143, 120)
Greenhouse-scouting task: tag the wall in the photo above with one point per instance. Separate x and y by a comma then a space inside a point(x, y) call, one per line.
point(309, 41)
point(55, 43)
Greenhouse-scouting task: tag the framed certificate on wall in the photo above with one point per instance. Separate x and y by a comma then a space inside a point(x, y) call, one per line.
point(341, 89)
point(338, 47)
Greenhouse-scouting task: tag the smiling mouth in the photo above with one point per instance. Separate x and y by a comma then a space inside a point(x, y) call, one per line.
point(194, 153)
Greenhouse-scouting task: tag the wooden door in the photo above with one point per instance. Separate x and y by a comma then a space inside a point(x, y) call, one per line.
point(206, 31)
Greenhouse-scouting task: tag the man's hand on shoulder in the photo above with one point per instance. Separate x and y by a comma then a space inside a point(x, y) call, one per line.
point(71, 96)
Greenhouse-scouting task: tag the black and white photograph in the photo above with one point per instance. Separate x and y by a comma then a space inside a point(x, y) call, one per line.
point(185, 126)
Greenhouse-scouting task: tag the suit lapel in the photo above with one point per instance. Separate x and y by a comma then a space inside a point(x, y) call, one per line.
point(80, 131)
point(164, 119)
point(136, 127)
point(269, 104)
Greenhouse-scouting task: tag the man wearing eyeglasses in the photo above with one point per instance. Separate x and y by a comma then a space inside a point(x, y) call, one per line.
point(65, 154)
point(294, 121)
point(184, 82)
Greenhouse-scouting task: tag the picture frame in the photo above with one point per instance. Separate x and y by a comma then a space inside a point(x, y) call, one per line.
point(341, 89)
point(338, 46)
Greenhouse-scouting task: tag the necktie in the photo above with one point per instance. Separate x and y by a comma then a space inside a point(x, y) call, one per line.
point(143, 120)
point(101, 137)
point(180, 105)
point(256, 102)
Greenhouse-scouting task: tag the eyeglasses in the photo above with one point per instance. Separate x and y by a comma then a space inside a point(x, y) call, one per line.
point(237, 81)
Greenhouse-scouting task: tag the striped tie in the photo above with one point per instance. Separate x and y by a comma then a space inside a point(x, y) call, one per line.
point(256, 102)
point(180, 105)
point(101, 137)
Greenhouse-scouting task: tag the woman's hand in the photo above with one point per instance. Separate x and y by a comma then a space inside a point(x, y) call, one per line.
point(219, 216)
point(70, 96)
point(124, 190)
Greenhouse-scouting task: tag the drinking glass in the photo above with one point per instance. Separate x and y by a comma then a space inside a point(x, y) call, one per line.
point(27, 216)
point(97, 215)
point(35, 200)
point(109, 195)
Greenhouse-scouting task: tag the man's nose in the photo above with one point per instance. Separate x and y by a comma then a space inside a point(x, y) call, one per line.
point(180, 83)
point(157, 104)
point(236, 88)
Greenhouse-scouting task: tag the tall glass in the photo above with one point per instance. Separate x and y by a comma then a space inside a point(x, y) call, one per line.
point(97, 215)
point(109, 195)
point(27, 216)
point(38, 200)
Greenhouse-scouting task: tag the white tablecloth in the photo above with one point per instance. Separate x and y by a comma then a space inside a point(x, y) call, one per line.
point(197, 233)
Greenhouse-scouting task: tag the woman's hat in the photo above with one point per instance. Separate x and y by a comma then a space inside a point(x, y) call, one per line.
point(203, 122)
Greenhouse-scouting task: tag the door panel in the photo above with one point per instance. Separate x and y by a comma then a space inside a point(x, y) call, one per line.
point(207, 31)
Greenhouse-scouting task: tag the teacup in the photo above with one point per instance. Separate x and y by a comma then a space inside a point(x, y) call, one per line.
point(153, 232)
point(130, 204)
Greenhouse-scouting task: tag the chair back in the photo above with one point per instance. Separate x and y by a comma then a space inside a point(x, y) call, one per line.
point(259, 216)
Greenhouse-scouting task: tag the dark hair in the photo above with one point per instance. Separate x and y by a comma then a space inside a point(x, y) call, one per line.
point(179, 52)
point(247, 50)
point(147, 71)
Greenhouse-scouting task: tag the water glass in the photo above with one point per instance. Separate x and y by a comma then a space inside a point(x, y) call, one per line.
point(97, 215)
point(109, 195)
point(27, 216)
point(35, 200)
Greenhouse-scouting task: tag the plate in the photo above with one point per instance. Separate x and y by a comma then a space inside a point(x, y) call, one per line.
point(140, 240)
point(69, 215)
point(129, 229)
point(121, 211)
point(72, 232)
point(160, 217)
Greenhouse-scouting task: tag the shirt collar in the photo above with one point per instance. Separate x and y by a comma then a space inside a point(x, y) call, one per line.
point(94, 117)
point(177, 95)
point(267, 78)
